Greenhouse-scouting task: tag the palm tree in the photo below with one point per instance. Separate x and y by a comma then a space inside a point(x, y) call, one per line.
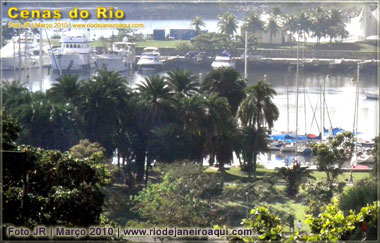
point(290, 23)
point(272, 27)
point(319, 23)
point(217, 115)
point(182, 82)
point(294, 176)
point(335, 24)
point(157, 103)
point(253, 142)
point(256, 110)
point(227, 24)
point(104, 105)
point(66, 89)
point(303, 24)
point(253, 23)
point(197, 22)
point(15, 94)
point(225, 82)
point(47, 124)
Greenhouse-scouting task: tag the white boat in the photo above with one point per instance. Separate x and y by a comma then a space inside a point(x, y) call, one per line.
point(24, 52)
point(75, 54)
point(275, 146)
point(288, 147)
point(223, 61)
point(150, 59)
point(372, 96)
point(120, 58)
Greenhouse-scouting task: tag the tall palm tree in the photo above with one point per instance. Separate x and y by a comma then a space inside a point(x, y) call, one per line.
point(197, 22)
point(103, 105)
point(66, 89)
point(290, 23)
point(258, 111)
point(227, 24)
point(157, 101)
point(217, 115)
point(257, 108)
point(253, 23)
point(319, 23)
point(304, 23)
point(272, 27)
point(225, 82)
point(182, 82)
point(253, 142)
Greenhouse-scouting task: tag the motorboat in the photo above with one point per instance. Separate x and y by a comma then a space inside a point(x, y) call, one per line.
point(223, 60)
point(24, 51)
point(120, 58)
point(150, 59)
point(275, 146)
point(75, 54)
point(371, 96)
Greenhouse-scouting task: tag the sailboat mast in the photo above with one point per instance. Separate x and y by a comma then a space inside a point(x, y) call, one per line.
point(40, 67)
point(297, 89)
point(245, 55)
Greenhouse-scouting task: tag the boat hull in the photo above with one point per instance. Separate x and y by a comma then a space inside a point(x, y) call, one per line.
point(118, 64)
point(10, 63)
point(72, 61)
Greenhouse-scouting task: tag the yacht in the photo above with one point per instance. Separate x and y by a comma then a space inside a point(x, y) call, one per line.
point(120, 58)
point(75, 54)
point(150, 59)
point(24, 51)
point(224, 60)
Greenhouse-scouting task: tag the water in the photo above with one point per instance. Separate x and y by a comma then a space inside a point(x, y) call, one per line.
point(339, 99)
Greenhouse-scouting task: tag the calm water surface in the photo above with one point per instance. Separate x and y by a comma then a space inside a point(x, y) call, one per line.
point(339, 98)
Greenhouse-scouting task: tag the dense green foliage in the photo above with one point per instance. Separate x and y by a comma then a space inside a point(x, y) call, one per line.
point(358, 196)
point(49, 187)
point(332, 155)
point(183, 198)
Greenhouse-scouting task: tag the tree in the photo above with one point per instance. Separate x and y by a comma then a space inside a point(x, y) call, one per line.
point(157, 102)
point(85, 149)
point(264, 224)
point(358, 196)
point(256, 110)
point(225, 82)
point(47, 124)
point(56, 187)
point(197, 22)
point(335, 25)
point(253, 142)
point(253, 23)
point(272, 27)
point(181, 199)
point(304, 25)
point(227, 24)
point(15, 94)
point(332, 155)
point(103, 106)
point(319, 23)
point(294, 176)
point(67, 89)
point(183, 47)
point(182, 82)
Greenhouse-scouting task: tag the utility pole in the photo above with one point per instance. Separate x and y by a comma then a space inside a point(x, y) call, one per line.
point(245, 55)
